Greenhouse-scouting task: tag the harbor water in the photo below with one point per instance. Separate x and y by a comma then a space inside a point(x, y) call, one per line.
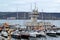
point(22, 22)
point(42, 38)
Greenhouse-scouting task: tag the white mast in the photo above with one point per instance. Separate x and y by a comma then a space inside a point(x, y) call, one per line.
point(42, 14)
point(34, 14)
point(17, 13)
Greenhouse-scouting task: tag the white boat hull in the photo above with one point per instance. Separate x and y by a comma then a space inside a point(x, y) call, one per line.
point(37, 34)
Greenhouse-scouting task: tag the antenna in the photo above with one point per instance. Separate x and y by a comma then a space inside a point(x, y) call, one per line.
point(36, 8)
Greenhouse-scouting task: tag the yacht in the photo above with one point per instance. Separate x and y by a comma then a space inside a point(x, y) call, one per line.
point(51, 33)
point(33, 34)
point(58, 32)
point(37, 34)
point(41, 34)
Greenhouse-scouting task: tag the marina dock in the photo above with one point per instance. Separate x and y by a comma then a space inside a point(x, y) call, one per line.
point(32, 29)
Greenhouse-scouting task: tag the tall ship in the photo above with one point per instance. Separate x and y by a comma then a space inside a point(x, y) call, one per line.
point(34, 24)
point(41, 27)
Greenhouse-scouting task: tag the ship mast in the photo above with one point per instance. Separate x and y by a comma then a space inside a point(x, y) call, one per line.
point(42, 14)
point(34, 14)
point(17, 13)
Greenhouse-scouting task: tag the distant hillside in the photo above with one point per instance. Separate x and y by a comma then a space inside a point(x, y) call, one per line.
point(25, 15)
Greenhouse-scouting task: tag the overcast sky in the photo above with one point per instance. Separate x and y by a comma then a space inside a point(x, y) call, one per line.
point(25, 5)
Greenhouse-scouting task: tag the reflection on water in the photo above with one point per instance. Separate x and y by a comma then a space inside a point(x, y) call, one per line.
point(55, 22)
point(42, 38)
